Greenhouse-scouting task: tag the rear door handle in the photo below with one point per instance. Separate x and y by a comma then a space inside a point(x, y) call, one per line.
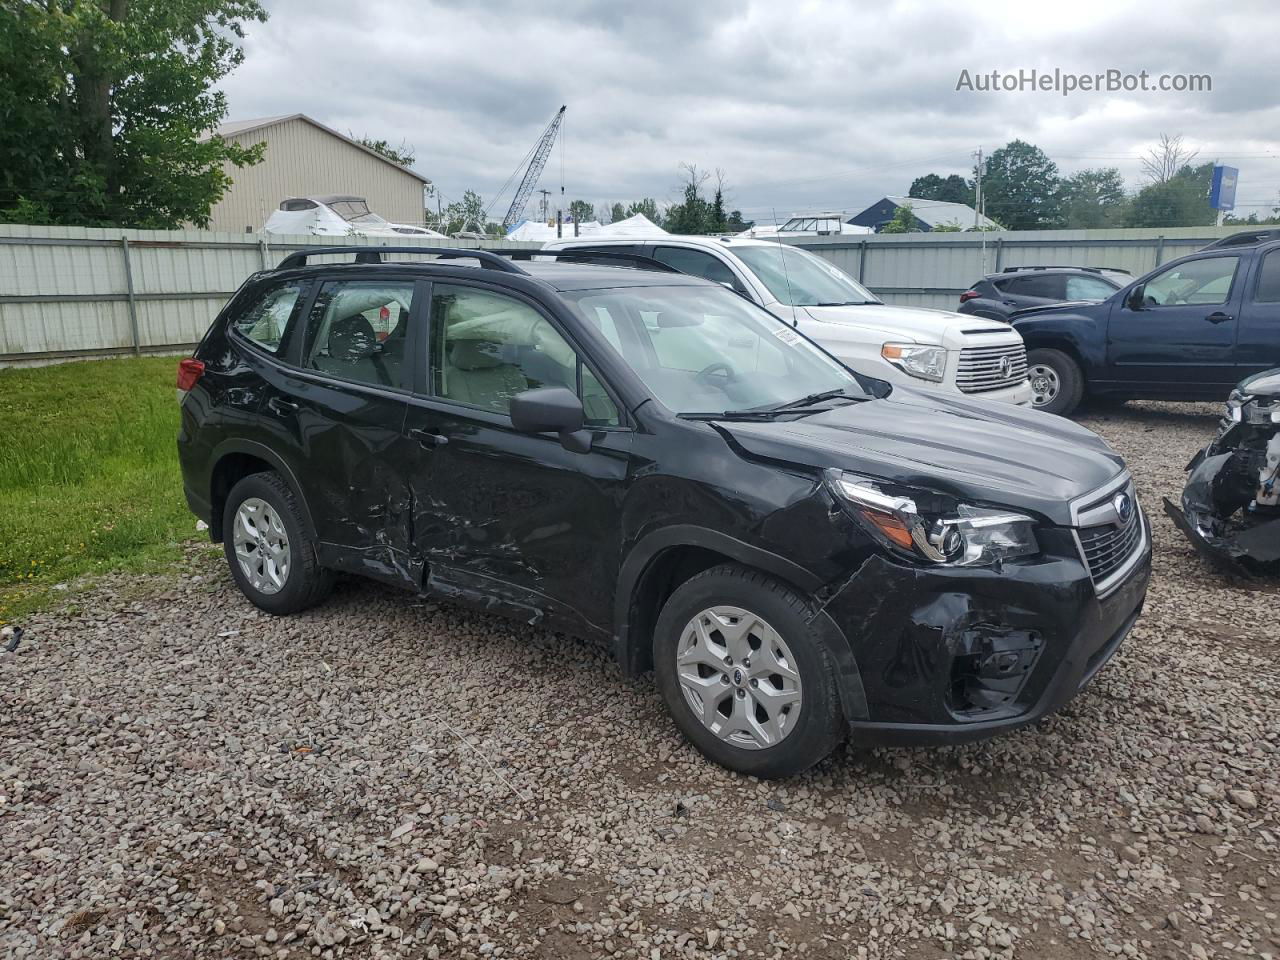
point(427, 438)
point(282, 406)
point(1219, 317)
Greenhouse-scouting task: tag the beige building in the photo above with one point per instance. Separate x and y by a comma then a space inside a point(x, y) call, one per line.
point(307, 159)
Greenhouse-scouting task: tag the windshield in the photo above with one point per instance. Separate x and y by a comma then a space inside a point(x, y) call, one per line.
point(703, 349)
point(801, 279)
point(355, 211)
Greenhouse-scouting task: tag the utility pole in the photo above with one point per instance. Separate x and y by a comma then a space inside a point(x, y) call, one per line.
point(977, 209)
point(545, 206)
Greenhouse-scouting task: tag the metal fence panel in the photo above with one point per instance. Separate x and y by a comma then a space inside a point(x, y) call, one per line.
point(70, 292)
point(933, 269)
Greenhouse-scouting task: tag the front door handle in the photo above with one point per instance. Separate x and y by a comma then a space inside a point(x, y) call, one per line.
point(427, 438)
point(1219, 317)
point(282, 406)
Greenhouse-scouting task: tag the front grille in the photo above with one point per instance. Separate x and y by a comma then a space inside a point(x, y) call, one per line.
point(991, 368)
point(1107, 546)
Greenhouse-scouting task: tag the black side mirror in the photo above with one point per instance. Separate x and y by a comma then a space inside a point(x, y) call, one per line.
point(1137, 297)
point(552, 410)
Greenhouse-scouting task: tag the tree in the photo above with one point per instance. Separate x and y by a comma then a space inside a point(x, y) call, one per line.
point(1166, 159)
point(693, 215)
point(465, 215)
point(737, 224)
point(402, 155)
point(904, 221)
point(104, 106)
point(648, 207)
point(580, 211)
point(951, 189)
point(1180, 201)
point(617, 212)
point(1020, 187)
point(1092, 199)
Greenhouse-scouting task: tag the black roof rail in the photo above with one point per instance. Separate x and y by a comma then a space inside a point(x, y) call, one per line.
point(641, 262)
point(371, 254)
point(1246, 238)
point(1063, 266)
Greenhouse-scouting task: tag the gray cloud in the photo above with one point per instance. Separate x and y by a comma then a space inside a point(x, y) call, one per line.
point(804, 105)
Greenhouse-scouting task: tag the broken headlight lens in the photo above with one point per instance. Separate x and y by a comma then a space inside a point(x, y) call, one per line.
point(927, 363)
point(934, 528)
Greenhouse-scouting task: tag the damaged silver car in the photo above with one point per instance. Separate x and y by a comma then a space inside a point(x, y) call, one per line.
point(1231, 503)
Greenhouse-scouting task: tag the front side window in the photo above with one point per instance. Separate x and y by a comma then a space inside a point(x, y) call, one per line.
point(357, 330)
point(267, 320)
point(705, 350)
point(1088, 288)
point(489, 347)
point(1206, 281)
point(797, 278)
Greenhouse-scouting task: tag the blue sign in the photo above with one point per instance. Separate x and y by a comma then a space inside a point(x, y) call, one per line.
point(1222, 195)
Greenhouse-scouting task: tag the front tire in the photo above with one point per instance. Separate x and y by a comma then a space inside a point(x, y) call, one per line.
point(1057, 383)
point(271, 555)
point(745, 676)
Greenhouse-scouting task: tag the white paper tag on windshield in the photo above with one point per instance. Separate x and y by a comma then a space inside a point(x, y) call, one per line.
point(786, 335)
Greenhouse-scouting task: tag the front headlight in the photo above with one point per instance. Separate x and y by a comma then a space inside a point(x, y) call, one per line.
point(927, 363)
point(937, 529)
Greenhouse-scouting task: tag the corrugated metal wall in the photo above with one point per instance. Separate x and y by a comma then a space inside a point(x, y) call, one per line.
point(70, 292)
point(933, 269)
point(303, 160)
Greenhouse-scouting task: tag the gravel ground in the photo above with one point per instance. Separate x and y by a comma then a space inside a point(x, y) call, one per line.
point(381, 777)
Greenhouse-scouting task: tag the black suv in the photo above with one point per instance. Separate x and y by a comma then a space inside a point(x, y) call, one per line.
point(646, 459)
point(998, 295)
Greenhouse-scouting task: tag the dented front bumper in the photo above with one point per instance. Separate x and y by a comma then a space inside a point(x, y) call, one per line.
point(948, 655)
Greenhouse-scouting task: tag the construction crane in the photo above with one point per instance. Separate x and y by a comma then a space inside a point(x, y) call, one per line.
point(541, 151)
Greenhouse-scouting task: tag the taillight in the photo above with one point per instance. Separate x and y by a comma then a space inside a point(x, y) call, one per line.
point(189, 371)
point(969, 295)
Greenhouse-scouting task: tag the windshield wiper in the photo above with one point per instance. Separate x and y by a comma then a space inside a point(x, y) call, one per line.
point(811, 399)
point(844, 303)
point(769, 414)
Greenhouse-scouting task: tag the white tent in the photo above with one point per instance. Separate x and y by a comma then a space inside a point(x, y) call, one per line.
point(635, 226)
point(539, 232)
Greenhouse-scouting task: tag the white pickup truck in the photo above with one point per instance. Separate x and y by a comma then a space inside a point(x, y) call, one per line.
point(909, 345)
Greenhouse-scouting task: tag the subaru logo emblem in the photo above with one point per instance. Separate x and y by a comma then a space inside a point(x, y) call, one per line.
point(1123, 505)
point(1006, 367)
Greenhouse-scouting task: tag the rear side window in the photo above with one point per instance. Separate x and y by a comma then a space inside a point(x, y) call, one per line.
point(1269, 278)
point(1049, 286)
point(698, 264)
point(267, 321)
point(357, 331)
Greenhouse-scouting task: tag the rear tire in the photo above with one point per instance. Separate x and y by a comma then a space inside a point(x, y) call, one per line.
point(769, 719)
point(1057, 383)
point(271, 554)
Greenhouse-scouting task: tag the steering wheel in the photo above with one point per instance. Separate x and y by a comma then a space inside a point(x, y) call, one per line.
point(707, 375)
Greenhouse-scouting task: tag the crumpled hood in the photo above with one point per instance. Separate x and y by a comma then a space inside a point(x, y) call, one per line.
point(979, 450)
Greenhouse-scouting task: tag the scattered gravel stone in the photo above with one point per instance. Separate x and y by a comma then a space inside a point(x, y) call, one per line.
point(184, 776)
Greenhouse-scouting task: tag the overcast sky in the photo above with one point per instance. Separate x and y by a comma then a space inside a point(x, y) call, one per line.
point(803, 105)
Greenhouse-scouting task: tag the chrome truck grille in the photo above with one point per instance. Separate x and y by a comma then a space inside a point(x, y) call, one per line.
point(991, 368)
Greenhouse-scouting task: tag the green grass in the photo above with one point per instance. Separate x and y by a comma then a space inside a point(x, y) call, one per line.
point(89, 478)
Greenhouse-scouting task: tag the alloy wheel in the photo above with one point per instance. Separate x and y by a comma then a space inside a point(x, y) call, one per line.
point(1045, 384)
point(739, 677)
point(261, 545)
